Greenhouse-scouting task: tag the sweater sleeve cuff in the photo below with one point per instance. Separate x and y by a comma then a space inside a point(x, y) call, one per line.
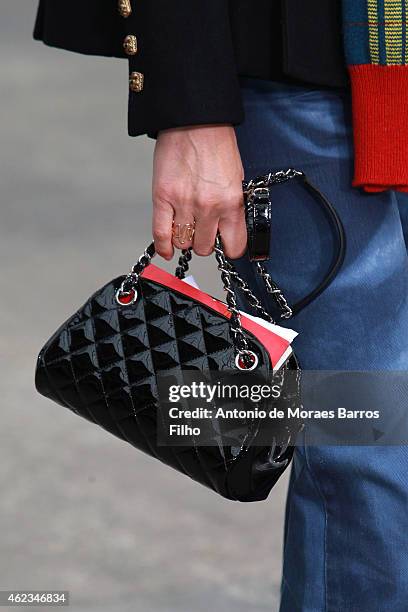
point(380, 118)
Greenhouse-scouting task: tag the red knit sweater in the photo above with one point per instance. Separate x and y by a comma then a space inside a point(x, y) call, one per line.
point(376, 44)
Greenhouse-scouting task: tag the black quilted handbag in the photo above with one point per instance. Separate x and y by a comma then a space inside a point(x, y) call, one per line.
point(103, 364)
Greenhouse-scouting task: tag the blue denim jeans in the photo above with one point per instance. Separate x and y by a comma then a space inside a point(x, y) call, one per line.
point(346, 532)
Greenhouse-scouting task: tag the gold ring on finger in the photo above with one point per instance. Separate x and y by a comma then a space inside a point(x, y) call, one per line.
point(183, 232)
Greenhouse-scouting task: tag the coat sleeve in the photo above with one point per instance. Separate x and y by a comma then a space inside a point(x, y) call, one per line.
point(186, 59)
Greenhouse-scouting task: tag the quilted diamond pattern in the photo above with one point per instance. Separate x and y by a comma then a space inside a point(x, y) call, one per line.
point(102, 364)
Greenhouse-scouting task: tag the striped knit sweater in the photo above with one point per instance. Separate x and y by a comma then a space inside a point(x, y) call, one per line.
point(376, 45)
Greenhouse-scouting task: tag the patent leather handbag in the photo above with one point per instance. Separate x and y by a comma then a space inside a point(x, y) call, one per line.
point(104, 362)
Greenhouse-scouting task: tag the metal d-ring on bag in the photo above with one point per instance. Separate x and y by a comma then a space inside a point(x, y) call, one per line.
point(104, 362)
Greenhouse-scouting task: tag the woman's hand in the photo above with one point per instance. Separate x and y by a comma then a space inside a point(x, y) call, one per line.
point(197, 178)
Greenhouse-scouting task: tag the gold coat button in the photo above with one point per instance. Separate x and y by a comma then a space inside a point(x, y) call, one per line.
point(136, 81)
point(130, 45)
point(124, 8)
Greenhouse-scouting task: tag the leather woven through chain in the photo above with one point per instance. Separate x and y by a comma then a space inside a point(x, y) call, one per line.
point(103, 363)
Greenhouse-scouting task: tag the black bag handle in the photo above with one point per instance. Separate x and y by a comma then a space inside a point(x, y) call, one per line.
point(339, 254)
point(258, 209)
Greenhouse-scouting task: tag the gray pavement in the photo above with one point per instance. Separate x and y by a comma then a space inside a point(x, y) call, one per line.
point(81, 510)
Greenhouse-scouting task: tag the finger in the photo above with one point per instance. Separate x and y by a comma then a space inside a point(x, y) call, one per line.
point(183, 228)
point(206, 228)
point(162, 228)
point(233, 233)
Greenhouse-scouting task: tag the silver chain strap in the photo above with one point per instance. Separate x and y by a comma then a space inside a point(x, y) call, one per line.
point(183, 266)
point(251, 297)
point(183, 263)
point(275, 291)
point(272, 178)
point(271, 287)
point(254, 188)
point(240, 340)
point(127, 292)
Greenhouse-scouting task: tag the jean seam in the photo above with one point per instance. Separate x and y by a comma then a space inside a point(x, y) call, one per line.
point(320, 493)
point(284, 581)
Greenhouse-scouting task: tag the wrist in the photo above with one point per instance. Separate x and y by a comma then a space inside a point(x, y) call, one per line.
point(197, 128)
